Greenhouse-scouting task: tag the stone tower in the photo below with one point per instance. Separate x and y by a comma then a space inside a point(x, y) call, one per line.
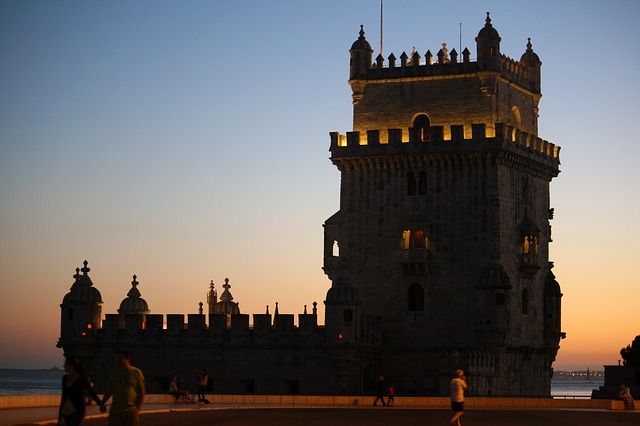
point(441, 242)
point(81, 310)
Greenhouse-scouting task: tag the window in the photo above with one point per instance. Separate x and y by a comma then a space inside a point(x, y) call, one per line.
point(406, 239)
point(525, 301)
point(411, 184)
point(416, 298)
point(348, 315)
point(422, 128)
point(529, 247)
point(499, 299)
point(422, 183)
point(70, 314)
point(336, 249)
point(419, 240)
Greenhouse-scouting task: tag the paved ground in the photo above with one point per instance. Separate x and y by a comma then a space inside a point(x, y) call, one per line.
point(235, 416)
point(380, 417)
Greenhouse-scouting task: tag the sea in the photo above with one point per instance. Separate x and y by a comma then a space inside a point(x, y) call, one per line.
point(41, 382)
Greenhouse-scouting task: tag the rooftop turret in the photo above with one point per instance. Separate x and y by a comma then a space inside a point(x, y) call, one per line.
point(133, 303)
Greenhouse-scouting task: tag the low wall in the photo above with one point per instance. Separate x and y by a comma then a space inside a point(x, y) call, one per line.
point(478, 403)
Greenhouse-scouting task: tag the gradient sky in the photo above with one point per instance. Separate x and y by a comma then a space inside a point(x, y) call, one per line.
point(188, 141)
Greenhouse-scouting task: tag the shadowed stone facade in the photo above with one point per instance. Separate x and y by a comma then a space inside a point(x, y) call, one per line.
point(438, 255)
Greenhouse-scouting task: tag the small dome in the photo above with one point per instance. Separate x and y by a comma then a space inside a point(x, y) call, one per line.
point(82, 289)
point(361, 42)
point(342, 293)
point(133, 303)
point(488, 32)
point(225, 305)
point(494, 276)
point(529, 57)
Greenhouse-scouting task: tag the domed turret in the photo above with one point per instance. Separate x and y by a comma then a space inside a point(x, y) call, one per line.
point(225, 305)
point(341, 312)
point(133, 303)
point(81, 308)
point(531, 60)
point(361, 57)
point(488, 45)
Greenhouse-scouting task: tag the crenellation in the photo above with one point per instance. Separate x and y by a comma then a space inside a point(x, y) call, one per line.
point(196, 322)
point(368, 143)
point(175, 323)
point(133, 323)
point(154, 323)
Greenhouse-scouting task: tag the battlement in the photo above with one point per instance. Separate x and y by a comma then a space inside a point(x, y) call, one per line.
point(442, 139)
point(445, 64)
point(265, 328)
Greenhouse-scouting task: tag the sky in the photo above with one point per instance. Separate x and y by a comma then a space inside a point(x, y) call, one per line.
point(188, 141)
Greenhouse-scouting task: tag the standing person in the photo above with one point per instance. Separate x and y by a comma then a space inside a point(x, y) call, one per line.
point(380, 387)
point(74, 385)
point(202, 379)
point(457, 386)
point(126, 384)
point(625, 394)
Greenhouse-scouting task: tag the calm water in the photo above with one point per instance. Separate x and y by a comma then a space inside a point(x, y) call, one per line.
point(30, 382)
point(38, 382)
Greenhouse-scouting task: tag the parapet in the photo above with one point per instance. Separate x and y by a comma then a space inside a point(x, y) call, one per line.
point(447, 63)
point(266, 329)
point(443, 139)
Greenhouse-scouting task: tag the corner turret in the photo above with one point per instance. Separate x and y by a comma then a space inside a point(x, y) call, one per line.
point(361, 57)
point(531, 60)
point(488, 46)
point(81, 308)
point(341, 313)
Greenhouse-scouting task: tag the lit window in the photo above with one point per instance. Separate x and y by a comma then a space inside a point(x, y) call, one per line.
point(89, 326)
point(419, 240)
point(406, 239)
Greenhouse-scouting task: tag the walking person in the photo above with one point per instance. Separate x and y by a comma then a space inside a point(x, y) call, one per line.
point(74, 385)
point(380, 387)
point(457, 386)
point(126, 384)
point(391, 391)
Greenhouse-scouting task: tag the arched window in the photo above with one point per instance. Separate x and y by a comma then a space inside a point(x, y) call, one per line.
point(422, 128)
point(525, 301)
point(411, 184)
point(419, 240)
point(422, 184)
point(336, 249)
point(416, 298)
point(348, 316)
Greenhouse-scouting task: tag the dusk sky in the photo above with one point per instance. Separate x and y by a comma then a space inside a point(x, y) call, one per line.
point(188, 141)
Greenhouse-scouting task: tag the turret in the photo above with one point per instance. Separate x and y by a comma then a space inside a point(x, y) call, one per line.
point(133, 304)
point(81, 308)
point(341, 313)
point(488, 45)
point(361, 57)
point(530, 60)
point(212, 298)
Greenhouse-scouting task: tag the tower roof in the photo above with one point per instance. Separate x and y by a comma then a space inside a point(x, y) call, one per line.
point(133, 303)
point(82, 289)
point(361, 42)
point(488, 32)
point(225, 305)
point(342, 293)
point(529, 57)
